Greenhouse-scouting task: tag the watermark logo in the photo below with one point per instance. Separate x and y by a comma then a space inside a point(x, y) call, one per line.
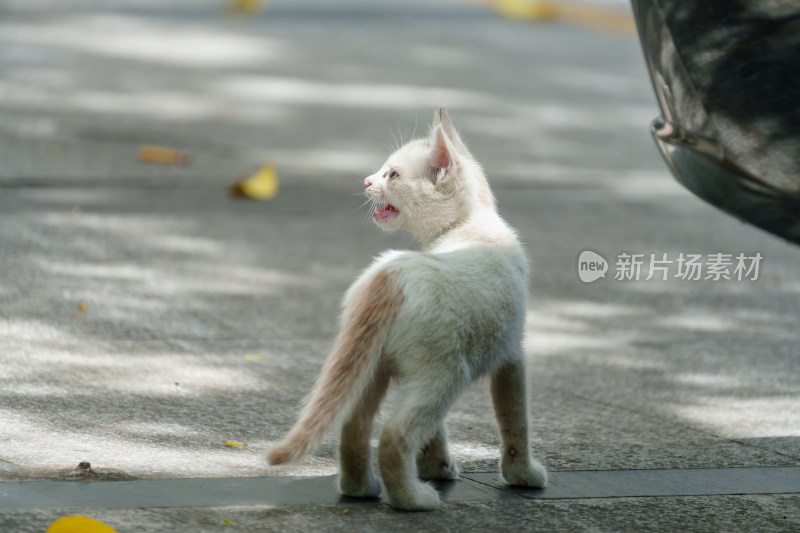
point(629, 266)
point(591, 266)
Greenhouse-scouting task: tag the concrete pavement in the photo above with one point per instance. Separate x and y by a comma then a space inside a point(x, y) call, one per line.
point(179, 283)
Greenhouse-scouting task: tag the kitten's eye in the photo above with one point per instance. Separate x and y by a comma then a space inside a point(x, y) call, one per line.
point(394, 175)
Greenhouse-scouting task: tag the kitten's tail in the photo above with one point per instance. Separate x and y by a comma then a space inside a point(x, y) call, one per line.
point(350, 367)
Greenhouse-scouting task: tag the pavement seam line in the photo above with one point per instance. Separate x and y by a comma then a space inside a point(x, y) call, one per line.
point(487, 485)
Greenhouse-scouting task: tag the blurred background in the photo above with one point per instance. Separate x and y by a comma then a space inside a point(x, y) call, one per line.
point(320, 89)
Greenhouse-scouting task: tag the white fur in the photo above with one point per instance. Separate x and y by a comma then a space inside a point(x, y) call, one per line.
point(462, 317)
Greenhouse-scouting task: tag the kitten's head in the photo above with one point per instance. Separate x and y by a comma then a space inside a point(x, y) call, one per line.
point(429, 185)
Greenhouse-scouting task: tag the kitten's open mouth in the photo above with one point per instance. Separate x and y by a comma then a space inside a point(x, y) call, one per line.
point(385, 213)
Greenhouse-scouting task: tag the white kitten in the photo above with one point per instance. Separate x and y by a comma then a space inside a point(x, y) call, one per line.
point(433, 321)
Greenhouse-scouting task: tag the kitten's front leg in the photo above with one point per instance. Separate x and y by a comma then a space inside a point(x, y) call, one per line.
point(510, 398)
point(434, 461)
point(355, 471)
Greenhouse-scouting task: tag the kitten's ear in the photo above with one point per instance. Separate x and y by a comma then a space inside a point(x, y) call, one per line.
point(443, 155)
point(443, 119)
point(437, 117)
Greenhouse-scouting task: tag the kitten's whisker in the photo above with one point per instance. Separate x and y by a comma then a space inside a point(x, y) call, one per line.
point(362, 205)
point(400, 132)
point(370, 212)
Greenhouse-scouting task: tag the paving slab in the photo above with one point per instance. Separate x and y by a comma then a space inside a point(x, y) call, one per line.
point(473, 487)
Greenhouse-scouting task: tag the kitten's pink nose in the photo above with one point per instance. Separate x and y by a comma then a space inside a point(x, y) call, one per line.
point(367, 183)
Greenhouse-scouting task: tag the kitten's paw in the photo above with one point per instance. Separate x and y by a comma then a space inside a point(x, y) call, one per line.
point(529, 473)
point(366, 488)
point(418, 497)
point(436, 468)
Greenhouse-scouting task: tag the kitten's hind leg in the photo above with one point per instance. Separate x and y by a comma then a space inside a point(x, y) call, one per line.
point(416, 423)
point(397, 452)
point(434, 461)
point(355, 471)
point(510, 398)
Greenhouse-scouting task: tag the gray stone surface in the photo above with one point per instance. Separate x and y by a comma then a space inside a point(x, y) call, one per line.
point(706, 513)
point(180, 285)
point(179, 281)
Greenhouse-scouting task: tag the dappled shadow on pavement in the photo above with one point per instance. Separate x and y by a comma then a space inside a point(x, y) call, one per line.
point(150, 376)
point(83, 85)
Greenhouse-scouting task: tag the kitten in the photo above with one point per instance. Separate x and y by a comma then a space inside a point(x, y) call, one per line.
point(433, 321)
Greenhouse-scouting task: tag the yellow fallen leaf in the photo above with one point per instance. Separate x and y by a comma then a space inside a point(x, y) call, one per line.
point(229, 522)
point(245, 7)
point(79, 524)
point(163, 156)
point(526, 9)
point(346, 511)
point(254, 357)
point(82, 306)
point(263, 185)
point(234, 444)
